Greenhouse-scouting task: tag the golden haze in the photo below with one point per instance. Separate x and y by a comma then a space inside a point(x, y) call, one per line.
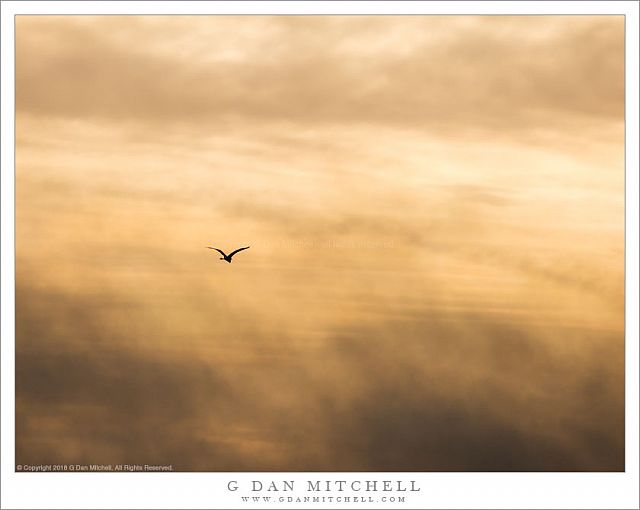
point(435, 208)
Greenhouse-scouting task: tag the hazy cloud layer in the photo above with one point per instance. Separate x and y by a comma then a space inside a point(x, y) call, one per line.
point(437, 73)
point(435, 212)
point(446, 392)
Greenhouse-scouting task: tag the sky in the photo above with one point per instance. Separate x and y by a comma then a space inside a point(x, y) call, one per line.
point(435, 209)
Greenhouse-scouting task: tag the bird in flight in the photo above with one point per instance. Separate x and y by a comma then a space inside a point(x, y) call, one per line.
point(224, 255)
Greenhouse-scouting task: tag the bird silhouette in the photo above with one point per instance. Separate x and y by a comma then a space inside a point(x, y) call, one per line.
point(225, 256)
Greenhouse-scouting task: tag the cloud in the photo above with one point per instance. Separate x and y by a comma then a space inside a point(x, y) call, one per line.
point(433, 73)
point(428, 392)
point(517, 403)
point(435, 214)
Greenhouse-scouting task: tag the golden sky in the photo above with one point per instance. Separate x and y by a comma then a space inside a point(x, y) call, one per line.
point(435, 208)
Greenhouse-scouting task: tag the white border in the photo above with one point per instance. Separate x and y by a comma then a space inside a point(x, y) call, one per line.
point(208, 490)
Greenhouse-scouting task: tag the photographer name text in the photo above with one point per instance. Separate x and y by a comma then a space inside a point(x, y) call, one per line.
point(325, 486)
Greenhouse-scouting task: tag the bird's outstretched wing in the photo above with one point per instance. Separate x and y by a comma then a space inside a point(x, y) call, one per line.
point(219, 251)
point(236, 251)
